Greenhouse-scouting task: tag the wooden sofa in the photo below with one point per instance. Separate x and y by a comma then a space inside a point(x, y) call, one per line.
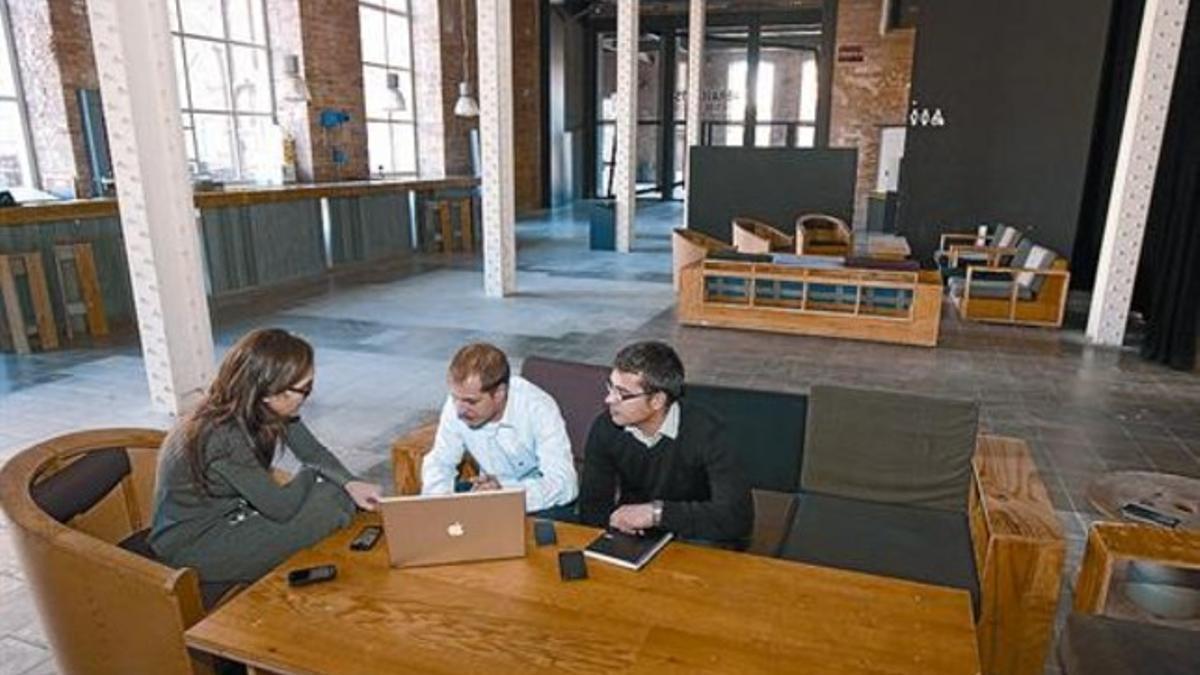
point(1030, 290)
point(77, 504)
point(893, 306)
point(750, 235)
point(821, 234)
point(688, 246)
point(1013, 541)
point(1107, 634)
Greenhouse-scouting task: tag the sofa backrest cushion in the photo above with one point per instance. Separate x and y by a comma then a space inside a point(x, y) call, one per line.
point(80, 485)
point(1007, 236)
point(1039, 258)
point(889, 447)
point(767, 427)
point(578, 388)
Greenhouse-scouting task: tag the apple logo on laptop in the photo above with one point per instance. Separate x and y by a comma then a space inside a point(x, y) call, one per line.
point(455, 529)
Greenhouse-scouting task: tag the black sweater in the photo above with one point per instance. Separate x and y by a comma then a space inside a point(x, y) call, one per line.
point(696, 475)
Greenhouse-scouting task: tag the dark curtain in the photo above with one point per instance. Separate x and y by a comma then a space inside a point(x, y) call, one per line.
point(1169, 273)
point(1119, 55)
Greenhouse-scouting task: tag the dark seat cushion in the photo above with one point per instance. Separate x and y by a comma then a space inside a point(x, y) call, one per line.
point(210, 592)
point(738, 256)
point(1101, 645)
point(81, 484)
point(578, 388)
point(892, 447)
point(768, 428)
point(906, 542)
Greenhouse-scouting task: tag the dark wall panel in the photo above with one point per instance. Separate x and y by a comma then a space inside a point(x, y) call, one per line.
point(1017, 81)
point(772, 184)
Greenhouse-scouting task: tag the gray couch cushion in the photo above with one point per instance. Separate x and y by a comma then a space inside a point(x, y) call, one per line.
point(768, 427)
point(1101, 645)
point(995, 285)
point(578, 388)
point(889, 447)
point(926, 545)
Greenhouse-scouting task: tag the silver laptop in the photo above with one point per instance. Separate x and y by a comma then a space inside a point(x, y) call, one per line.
point(461, 527)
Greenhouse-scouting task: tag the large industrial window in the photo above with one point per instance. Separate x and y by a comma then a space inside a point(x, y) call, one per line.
point(386, 28)
point(16, 168)
point(223, 64)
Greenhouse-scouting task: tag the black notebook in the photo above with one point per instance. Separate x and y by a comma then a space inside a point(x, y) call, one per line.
point(627, 550)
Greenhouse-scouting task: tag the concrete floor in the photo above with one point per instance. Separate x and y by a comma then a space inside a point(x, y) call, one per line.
point(383, 341)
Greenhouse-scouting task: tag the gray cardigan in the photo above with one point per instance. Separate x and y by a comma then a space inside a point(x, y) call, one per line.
point(183, 512)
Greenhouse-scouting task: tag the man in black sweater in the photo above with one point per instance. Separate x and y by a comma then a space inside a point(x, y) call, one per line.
point(654, 460)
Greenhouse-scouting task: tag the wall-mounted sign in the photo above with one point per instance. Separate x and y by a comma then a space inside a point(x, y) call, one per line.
point(850, 54)
point(926, 117)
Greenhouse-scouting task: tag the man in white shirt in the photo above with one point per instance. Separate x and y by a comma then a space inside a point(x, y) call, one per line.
point(512, 428)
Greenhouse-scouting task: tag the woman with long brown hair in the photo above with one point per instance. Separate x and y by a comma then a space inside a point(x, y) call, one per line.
point(218, 508)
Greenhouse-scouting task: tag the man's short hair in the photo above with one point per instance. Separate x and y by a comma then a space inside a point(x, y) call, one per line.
point(658, 364)
point(483, 360)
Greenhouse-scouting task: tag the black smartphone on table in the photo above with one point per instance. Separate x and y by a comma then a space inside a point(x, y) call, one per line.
point(1146, 514)
point(366, 538)
point(544, 533)
point(311, 575)
point(571, 565)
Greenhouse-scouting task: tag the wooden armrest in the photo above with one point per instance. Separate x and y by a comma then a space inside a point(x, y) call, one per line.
point(1017, 270)
point(957, 236)
point(408, 451)
point(1019, 550)
point(1111, 543)
point(993, 252)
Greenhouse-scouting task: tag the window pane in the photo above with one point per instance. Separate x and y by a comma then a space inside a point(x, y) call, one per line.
point(260, 143)
point(379, 147)
point(397, 41)
point(214, 149)
point(246, 21)
point(404, 148)
point(371, 29)
point(14, 168)
point(173, 16)
point(206, 65)
point(379, 100)
point(180, 74)
point(398, 5)
point(8, 86)
point(251, 80)
point(203, 17)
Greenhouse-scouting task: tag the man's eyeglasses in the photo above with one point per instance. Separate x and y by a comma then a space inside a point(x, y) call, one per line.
point(612, 390)
point(304, 391)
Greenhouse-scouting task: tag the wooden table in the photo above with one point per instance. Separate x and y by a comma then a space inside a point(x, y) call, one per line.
point(881, 246)
point(691, 610)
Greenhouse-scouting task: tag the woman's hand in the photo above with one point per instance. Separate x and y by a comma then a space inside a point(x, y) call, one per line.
point(365, 495)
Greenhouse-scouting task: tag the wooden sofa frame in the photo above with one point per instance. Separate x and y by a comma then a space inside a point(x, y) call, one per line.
point(821, 234)
point(1017, 540)
point(104, 609)
point(1047, 308)
point(689, 246)
point(750, 235)
point(1109, 545)
point(918, 325)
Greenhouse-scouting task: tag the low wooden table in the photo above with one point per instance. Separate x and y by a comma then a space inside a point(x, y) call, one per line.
point(881, 246)
point(691, 610)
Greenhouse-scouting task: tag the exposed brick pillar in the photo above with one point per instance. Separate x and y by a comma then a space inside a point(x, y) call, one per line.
point(456, 139)
point(333, 70)
point(870, 92)
point(527, 102)
point(52, 39)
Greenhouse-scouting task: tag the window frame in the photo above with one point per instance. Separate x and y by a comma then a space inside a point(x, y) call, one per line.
point(34, 179)
point(188, 110)
point(409, 72)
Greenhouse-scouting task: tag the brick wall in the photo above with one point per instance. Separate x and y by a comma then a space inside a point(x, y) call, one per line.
point(527, 103)
point(870, 92)
point(333, 70)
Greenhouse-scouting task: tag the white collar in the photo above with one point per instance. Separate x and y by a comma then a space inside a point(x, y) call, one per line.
point(668, 428)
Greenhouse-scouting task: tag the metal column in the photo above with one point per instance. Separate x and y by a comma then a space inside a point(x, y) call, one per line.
point(695, 85)
point(494, 31)
point(1137, 164)
point(136, 63)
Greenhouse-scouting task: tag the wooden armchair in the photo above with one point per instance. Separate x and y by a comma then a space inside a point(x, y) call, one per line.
point(75, 502)
point(1028, 296)
point(820, 234)
point(755, 236)
point(991, 247)
point(688, 246)
point(1104, 637)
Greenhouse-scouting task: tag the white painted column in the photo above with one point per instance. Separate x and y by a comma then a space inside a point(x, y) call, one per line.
point(494, 35)
point(625, 171)
point(695, 84)
point(145, 137)
point(1137, 164)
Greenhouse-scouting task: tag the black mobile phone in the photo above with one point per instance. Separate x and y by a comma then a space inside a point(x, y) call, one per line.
point(543, 532)
point(366, 538)
point(1149, 515)
point(571, 565)
point(311, 575)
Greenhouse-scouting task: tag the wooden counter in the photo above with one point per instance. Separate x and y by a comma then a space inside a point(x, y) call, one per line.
point(234, 196)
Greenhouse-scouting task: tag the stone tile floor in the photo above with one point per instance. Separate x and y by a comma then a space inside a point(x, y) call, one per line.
point(384, 337)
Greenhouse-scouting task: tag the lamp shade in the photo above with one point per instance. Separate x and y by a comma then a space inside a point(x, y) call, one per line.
point(466, 106)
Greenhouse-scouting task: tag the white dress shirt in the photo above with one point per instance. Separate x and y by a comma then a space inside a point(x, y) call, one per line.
point(527, 447)
point(668, 428)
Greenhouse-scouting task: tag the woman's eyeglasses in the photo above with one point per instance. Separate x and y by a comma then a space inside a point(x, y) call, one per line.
point(622, 395)
point(304, 391)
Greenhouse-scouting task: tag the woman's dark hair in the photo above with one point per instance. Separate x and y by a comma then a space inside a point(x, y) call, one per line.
point(658, 364)
point(262, 363)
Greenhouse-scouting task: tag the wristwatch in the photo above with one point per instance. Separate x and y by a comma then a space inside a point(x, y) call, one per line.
point(656, 508)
